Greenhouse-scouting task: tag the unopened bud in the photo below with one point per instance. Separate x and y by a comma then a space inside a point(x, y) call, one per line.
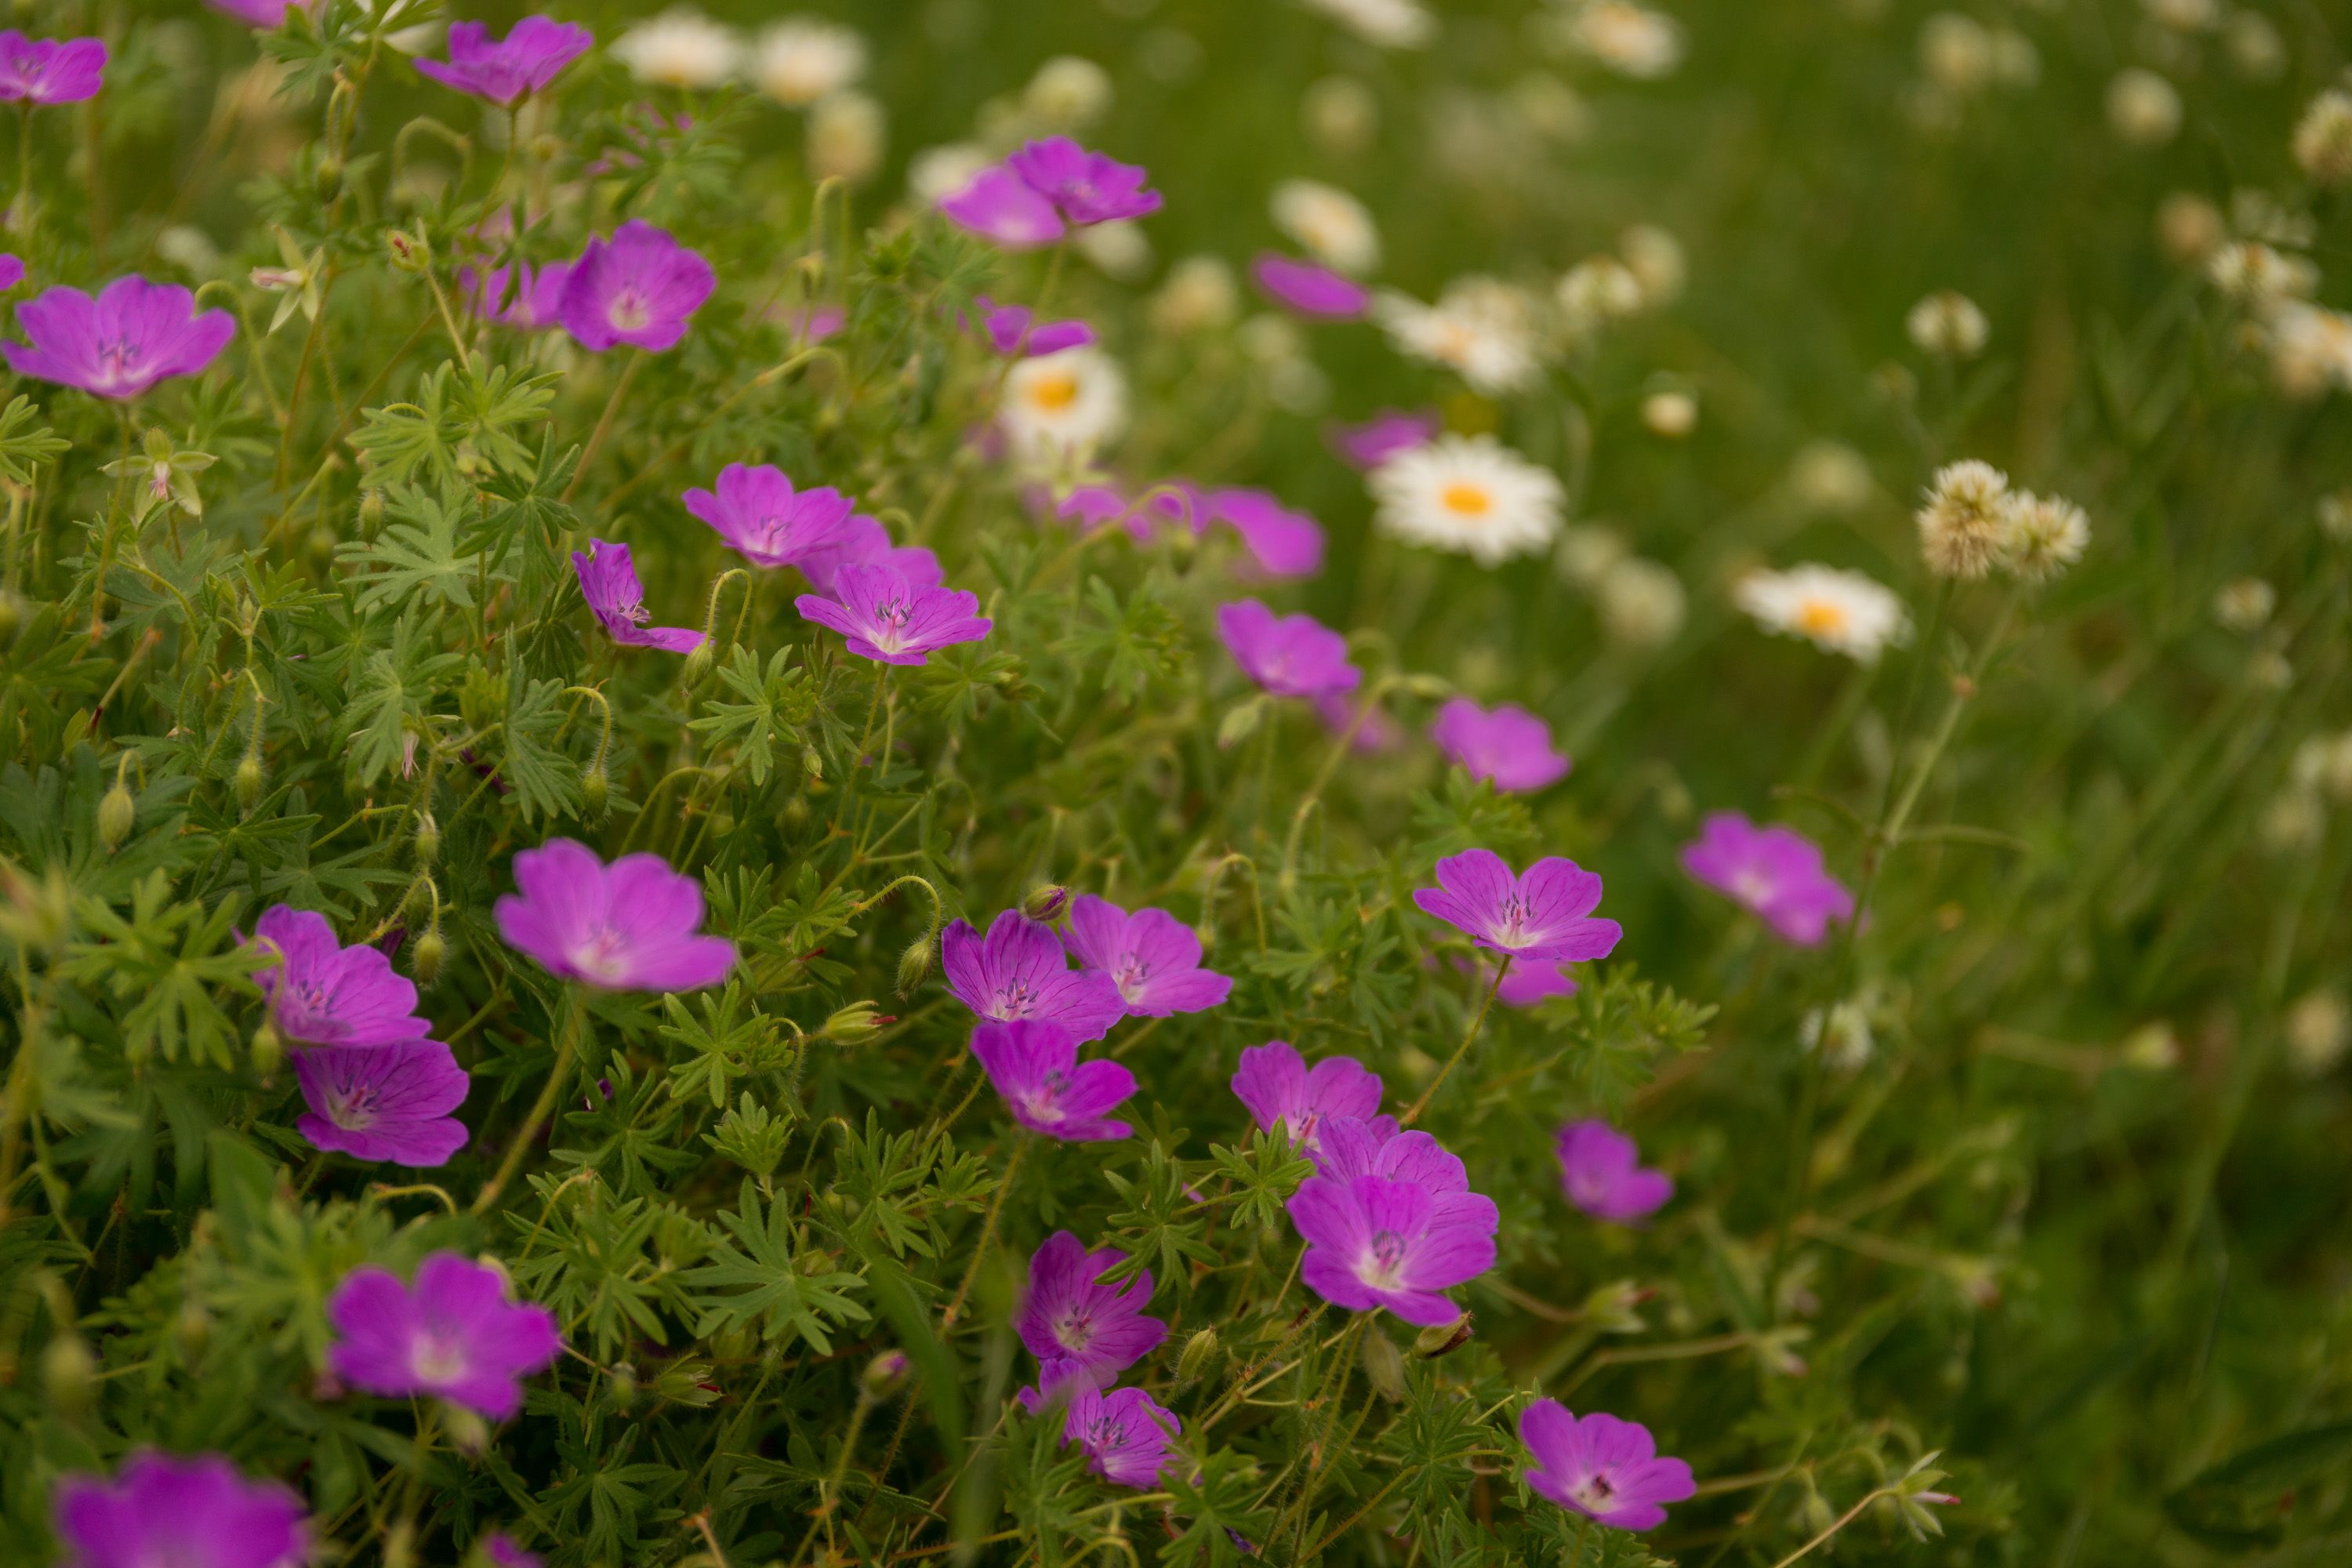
point(428, 838)
point(1428, 688)
point(331, 175)
point(1201, 1355)
point(1239, 723)
point(1045, 902)
point(118, 813)
point(622, 1387)
point(886, 1374)
point(796, 813)
point(1443, 1339)
point(698, 664)
point(247, 782)
point(468, 1432)
point(425, 957)
point(69, 1373)
point(855, 1024)
point(1384, 1366)
point(915, 963)
point(321, 542)
point(595, 789)
point(722, 822)
point(370, 509)
point(268, 1049)
point(811, 768)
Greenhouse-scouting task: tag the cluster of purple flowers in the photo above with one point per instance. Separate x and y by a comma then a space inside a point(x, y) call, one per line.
point(1281, 541)
point(1048, 187)
point(1085, 1333)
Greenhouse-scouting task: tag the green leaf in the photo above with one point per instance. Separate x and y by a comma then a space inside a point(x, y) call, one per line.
point(785, 1293)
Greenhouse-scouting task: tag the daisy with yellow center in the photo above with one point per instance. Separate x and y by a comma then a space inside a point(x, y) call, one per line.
point(1063, 403)
point(1468, 494)
point(1840, 612)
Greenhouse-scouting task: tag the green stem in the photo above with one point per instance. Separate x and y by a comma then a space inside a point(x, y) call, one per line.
point(1468, 1035)
point(575, 1020)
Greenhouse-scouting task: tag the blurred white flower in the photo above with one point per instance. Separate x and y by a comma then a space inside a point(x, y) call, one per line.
point(1587, 551)
point(1840, 612)
point(1949, 326)
point(1964, 519)
point(1482, 330)
point(2322, 138)
point(2322, 765)
point(2143, 108)
point(1640, 604)
point(1469, 494)
point(2190, 227)
point(847, 136)
point(189, 247)
point(2318, 1028)
point(1062, 405)
point(2045, 535)
point(2244, 605)
point(2254, 45)
point(2259, 276)
point(1336, 228)
point(802, 60)
point(2335, 514)
point(1672, 414)
point(680, 48)
point(1654, 258)
point(2015, 61)
point(1956, 53)
point(1118, 249)
point(936, 171)
point(1200, 294)
point(1831, 476)
point(1632, 40)
point(2311, 350)
point(2185, 16)
point(1340, 115)
point(1068, 93)
point(1598, 290)
point(1843, 1035)
point(1390, 23)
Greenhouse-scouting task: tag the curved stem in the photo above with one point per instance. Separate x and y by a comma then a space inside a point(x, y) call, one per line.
point(575, 1020)
point(1469, 1035)
point(987, 1233)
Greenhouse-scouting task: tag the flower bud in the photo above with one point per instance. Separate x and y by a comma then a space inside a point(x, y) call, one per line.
point(371, 510)
point(698, 664)
point(886, 1374)
point(1429, 688)
point(268, 1050)
point(468, 1432)
point(1200, 1353)
point(855, 1024)
point(192, 1330)
point(796, 813)
point(621, 1388)
point(595, 789)
point(1239, 723)
point(722, 822)
point(428, 838)
point(1443, 1339)
point(330, 175)
point(425, 959)
point(1384, 1366)
point(118, 813)
point(69, 1373)
point(247, 782)
point(1045, 902)
point(915, 963)
point(811, 768)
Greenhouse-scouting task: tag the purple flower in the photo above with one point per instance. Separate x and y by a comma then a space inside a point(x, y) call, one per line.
point(12, 271)
point(1597, 1173)
point(997, 205)
point(1775, 872)
point(1310, 289)
point(524, 62)
point(197, 1512)
point(1290, 656)
point(1274, 1084)
point(324, 994)
point(866, 542)
point(629, 926)
point(1080, 1330)
point(1284, 543)
point(1529, 984)
point(1604, 1468)
point(134, 334)
point(883, 614)
point(769, 523)
point(455, 1335)
point(382, 1102)
point(1034, 1065)
point(534, 302)
point(1383, 436)
point(1545, 914)
point(1085, 187)
point(259, 13)
point(500, 1548)
point(1014, 329)
point(608, 581)
point(1351, 1148)
point(813, 324)
point(1372, 1242)
point(638, 287)
point(1019, 971)
point(1375, 734)
point(49, 71)
point(1152, 956)
point(1509, 747)
point(1128, 1437)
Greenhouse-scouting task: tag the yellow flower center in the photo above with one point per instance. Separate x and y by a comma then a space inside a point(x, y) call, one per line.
point(1464, 498)
point(1054, 393)
point(1821, 618)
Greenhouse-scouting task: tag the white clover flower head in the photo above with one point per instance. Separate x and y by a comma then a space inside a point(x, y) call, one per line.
point(1585, 552)
point(2311, 350)
point(1598, 290)
point(2293, 823)
point(1069, 92)
point(1632, 40)
point(1837, 611)
point(1199, 295)
point(2322, 765)
point(1334, 226)
point(1964, 519)
point(802, 60)
point(2254, 45)
point(2318, 1028)
point(2046, 535)
point(1550, 108)
point(2016, 63)
point(936, 171)
point(1956, 53)
point(2142, 108)
point(1469, 494)
point(2334, 515)
point(1340, 115)
point(1670, 414)
point(1480, 329)
point(1655, 260)
point(2259, 276)
point(1066, 403)
point(1842, 1033)
point(2189, 227)
point(2323, 139)
point(1640, 604)
point(846, 137)
point(2258, 214)
point(2244, 606)
point(2185, 16)
point(1948, 324)
point(680, 48)
point(1390, 24)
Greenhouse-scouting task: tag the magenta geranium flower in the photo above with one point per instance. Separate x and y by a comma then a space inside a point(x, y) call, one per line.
point(501, 1549)
point(1544, 915)
point(382, 1102)
point(629, 926)
point(608, 581)
point(1128, 1437)
point(1290, 656)
point(883, 614)
point(1372, 1243)
point(1383, 435)
point(1015, 330)
point(322, 993)
point(528, 297)
point(1604, 1468)
point(533, 55)
point(12, 271)
point(866, 542)
point(768, 522)
point(134, 334)
point(1034, 1065)
point(996, 203)
point(196, 1513)
point(1529, 984)
point(455, 1335)
point(1085, 187)
point(1019, 971)
point(1283, 543)
point(259, 13)
point(1152, 956)
point(49, 71)
point(1776, 872)
point(1509, 746)
point(1310, 289)
point(1275, 1085)
point(1352, 1147)
point(1083, 1333)
point(1598, 1171)
point(638, 287)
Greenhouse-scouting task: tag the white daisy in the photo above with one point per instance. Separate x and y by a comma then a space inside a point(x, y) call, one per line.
point(680, 48)
point(1470, 494)
point(1632, 40)
point(1840, 612)
point(1390, 23)
point(1063, 403)
point(802, 60)
point(1333, 225)
point(1482, 330)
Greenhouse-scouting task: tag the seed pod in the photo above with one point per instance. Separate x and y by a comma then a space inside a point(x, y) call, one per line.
point(855, 1024)
point(595, 789)
point(247, 782)
point(623, 1386)
point(1384, 1366)
point(698, 664)
point(1443, 1340)
point(428, 838)
point(268, 1049)
point(371, 510)
point(69, 1373)
point(1200, 1353)
point(118, 813)
point(425, 957)
point(915, 963)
